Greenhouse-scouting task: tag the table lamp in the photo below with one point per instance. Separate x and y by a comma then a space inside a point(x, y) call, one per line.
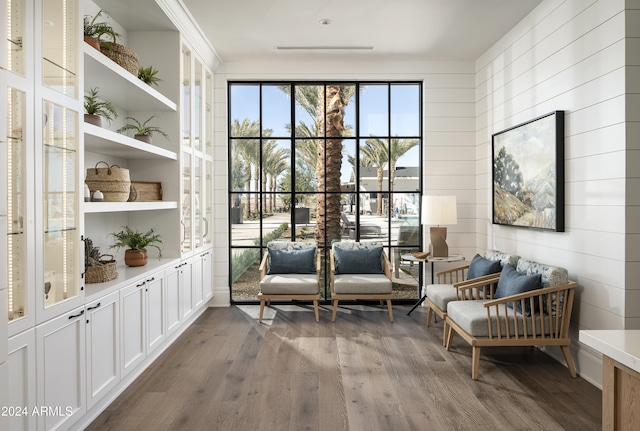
point(436, 211)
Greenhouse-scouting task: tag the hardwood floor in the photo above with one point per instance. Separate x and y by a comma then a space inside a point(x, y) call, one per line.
point(228, 372)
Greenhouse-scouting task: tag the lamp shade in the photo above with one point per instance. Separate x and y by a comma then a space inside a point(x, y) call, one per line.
point(439, 210)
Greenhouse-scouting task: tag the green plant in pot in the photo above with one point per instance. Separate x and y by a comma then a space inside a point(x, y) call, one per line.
point(148, 75)
point(96, 109)
point(136, 244)
point(142, 131)
point(93, 30)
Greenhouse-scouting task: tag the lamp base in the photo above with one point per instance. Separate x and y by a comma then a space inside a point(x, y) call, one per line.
point(438, 247)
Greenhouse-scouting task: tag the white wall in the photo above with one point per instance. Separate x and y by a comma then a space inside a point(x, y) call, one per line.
point(448, 124)
point(570, 55)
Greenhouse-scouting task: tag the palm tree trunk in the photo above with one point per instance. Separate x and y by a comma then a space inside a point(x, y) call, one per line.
point(256, 184)
point(247, 187)
point(331, 125)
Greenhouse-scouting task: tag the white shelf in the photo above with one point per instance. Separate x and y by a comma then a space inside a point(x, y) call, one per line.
point(119, 86)
point(106, 207)
point(104, 141)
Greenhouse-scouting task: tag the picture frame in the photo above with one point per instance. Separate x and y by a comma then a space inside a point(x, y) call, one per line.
point(528, 174)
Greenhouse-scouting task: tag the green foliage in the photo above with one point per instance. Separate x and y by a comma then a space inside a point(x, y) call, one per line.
point(148, 75)
point(241, 262)
point(141, 128)
point(98, 29)
point(507, 174)
point(94, 106)
point(136, 240)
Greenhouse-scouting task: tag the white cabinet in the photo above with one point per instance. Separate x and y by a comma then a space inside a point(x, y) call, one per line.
point(179, 294)
point(202, 283)
point(103, 346)
point(22, 379)
point(132, 333)
point(155, 293)
point(61, 370)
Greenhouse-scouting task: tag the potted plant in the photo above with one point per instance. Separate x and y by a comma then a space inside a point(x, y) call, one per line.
point(148, 75)
point(142, 131)
point(136, 244)
point(97, 109)
point(93, 30)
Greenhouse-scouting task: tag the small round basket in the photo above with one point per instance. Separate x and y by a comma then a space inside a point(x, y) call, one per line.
point(113, 181)
point(101, 270)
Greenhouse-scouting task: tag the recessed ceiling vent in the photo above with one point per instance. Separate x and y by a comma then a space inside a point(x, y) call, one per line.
point(324, 47)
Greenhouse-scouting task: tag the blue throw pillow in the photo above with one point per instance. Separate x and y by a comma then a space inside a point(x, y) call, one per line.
point(358, 261)
point(512, 282)
point(479, 267)
point(291, 261)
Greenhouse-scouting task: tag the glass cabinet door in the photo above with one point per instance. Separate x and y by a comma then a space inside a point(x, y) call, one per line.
point(186, 202)
point(207, 198)
point(16, 200)
point(60, 204)
point(197, 106)
point(208, 115)
point(60, 39)
point(14, 29)
point(197, 198)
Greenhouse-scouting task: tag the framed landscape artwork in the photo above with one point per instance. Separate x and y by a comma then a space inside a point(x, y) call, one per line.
point(528, 174)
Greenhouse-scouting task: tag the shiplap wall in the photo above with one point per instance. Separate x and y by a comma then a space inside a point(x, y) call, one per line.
point(448, 127)
point(570, 55)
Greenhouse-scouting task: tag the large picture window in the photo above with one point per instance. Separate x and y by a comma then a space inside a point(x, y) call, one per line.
point(324, 162)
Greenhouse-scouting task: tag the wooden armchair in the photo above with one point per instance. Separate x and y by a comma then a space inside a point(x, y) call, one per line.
point(296, 278)
point(445, 290)
point(503, 322)
point(349, 278)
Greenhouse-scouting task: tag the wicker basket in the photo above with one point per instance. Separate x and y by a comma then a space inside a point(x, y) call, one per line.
point(102, 270)
point(113, 181)
point(123, 56)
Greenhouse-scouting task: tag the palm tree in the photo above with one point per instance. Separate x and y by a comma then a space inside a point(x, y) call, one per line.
point(248, 150)
point(273, 159)
point(379, 153)
point(376, 153)
point(327, 108)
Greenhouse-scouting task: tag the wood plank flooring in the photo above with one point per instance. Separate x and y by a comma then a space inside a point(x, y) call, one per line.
point(228, 372)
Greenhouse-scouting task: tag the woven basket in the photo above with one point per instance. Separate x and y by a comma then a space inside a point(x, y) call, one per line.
point(123, 56)
point(102, 270)
point(113, 181)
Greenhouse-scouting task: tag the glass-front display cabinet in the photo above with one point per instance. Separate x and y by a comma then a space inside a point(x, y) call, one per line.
point(14, 26)
point(197, 152)
point(16, 205)
point(60, 44)
point(60, 205)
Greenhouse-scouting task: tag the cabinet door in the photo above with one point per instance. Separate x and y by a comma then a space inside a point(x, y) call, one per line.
point(132, 327)
point(207, 275)
point(186, 289)
point(103, 347)
point(22, 378)
point(198, 287)
point(174, 309)
point(155, 293)
point(61, 370)
point(59, 246)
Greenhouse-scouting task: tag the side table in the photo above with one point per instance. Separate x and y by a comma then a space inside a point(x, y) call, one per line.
point(432, 260)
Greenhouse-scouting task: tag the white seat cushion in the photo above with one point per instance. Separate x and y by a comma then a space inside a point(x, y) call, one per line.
point(361, 284)
point(441, 295)
point(472, 317)
point(289, 284)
